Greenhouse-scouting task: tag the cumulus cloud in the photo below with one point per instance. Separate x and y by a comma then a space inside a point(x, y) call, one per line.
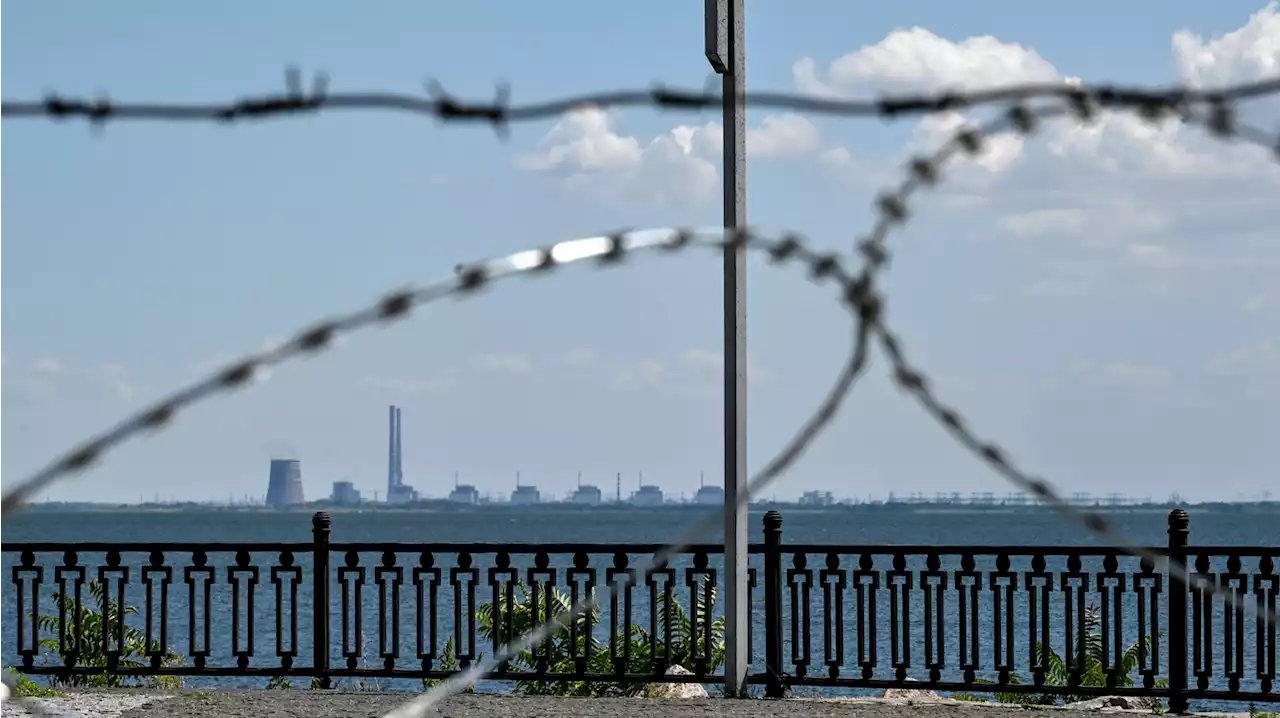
point(588, 153)
point(917, 60)
point(1250, 52)
point(783, 135)
point(1159, 196)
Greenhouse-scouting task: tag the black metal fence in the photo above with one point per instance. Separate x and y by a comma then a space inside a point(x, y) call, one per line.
point(1031, 620)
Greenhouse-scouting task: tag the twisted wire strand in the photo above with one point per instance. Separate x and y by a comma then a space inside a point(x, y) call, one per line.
point(1214, 109)
point(443, 106)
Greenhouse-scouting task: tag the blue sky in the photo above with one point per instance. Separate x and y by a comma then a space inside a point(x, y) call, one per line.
point(1101, 302)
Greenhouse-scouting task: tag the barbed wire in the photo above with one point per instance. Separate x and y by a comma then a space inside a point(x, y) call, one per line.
point(1213, 109)
point(442, 105)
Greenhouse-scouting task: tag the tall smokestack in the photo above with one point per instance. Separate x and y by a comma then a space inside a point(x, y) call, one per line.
point(391, 447)
point(394, 474)
point(399, 451)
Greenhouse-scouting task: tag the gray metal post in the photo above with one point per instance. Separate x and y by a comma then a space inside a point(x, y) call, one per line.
point(726, 51)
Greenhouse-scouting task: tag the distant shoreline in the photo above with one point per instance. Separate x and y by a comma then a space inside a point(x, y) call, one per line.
point(435, 507)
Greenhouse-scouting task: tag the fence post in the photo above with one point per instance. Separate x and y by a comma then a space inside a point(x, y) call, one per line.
point(320, 524)
point(1179, 538)
point(775, 687)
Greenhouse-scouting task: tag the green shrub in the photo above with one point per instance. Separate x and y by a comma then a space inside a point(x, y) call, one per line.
point(24, 687)
point(133, 651)
point(558, 655)
point(1093, 673)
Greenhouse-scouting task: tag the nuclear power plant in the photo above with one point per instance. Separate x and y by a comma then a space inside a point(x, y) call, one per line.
point(284, 486)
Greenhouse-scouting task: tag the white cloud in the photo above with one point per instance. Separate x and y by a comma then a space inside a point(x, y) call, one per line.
point(588, 155)
point(917, 60)
point(677, 167)
point(837, 158)
point(1158, 197)
point(1250, 52)
point(999, 152)
point(48, 366)
point(783, 136)
point(1042, 222)
point(1258, 357)
point(507, 363)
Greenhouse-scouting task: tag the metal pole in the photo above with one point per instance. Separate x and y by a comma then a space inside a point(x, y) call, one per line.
point(726, 51)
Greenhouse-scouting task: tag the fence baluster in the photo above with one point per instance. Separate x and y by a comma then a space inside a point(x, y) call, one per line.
point(776, 685)
point(320, 525)
point(1179, 537)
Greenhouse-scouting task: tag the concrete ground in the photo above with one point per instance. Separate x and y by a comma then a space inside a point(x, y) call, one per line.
point(335, 704)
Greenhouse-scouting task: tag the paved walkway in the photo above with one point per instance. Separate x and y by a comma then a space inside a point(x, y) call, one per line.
point(305, 704)
point(334, 704)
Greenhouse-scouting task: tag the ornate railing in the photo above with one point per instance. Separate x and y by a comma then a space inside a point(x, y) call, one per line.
point(1035, 621)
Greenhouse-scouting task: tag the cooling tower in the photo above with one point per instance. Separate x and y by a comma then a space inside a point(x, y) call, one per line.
point(284, 487)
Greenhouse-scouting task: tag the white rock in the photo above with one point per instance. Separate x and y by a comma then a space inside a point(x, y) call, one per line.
point(911, 695)
point(675, 690)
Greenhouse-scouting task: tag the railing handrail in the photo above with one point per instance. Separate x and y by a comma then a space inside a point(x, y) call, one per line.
point(960, 549)
point(145, 547)
point(603, 548)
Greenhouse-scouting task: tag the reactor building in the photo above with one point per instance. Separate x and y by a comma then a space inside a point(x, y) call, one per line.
point(284, 484)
